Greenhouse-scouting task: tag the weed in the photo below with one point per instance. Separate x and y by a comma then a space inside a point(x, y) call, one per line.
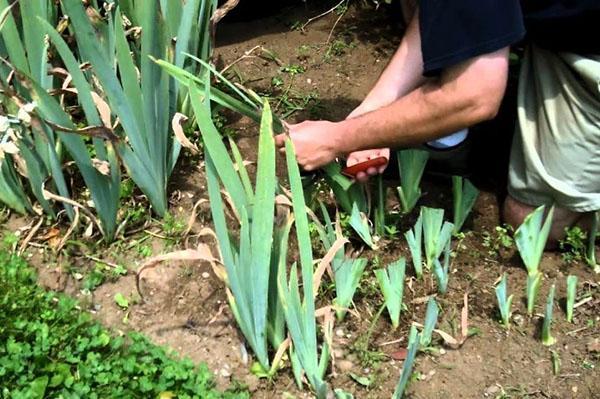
point(144, 250)
point(391, 230)
point(54, 350)
point(173, 226)
point(293, 69)
point(304, 52)
point(220, 122)
point(574, 244)
point(368, 358)
point(345, 224)
point(338, 48)
point(277, 82)
point(136, 214)
point(9, 241)
point(100, 274)
point(296, 25)
point(502, 240)
point(95, 278)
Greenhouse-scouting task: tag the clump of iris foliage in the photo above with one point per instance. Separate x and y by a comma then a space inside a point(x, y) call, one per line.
point(49, 348)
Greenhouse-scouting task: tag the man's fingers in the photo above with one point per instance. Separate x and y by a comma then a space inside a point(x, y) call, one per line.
point(362, 177)
point(382, 169)
point(372, 172)
point(280, 140)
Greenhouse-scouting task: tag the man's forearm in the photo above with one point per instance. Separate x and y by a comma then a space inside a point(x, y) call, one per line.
point(404, 72)
point(469, 94)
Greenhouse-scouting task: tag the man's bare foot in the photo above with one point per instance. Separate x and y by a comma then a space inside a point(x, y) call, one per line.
point(515, 212)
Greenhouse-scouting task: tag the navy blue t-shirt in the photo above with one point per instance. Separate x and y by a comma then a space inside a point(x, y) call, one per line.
point(453, 31)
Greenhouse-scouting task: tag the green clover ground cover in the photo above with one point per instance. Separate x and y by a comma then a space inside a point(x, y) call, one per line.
point(50, 349)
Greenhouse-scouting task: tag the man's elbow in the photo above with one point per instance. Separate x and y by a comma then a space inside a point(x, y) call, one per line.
point(486, 107)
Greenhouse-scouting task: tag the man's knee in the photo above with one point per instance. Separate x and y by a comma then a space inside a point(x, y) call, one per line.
point(514, 213)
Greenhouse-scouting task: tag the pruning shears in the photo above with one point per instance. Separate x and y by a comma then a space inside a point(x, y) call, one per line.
point(352, 171)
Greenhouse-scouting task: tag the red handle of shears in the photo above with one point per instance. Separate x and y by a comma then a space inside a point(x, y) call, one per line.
point(364, 166)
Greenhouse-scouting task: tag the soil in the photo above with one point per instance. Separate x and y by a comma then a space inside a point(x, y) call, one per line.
point(184, 304)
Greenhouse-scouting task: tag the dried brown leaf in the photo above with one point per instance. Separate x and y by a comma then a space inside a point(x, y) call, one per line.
point(326, 262)
point(177, 124)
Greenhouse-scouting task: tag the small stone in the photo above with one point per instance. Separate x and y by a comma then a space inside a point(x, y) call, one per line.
point(574, 389)
point(205, 275)
point(519, 320)
point(338, 353)
point(442, 351)
point(399, 354)
point(252, 382)
point(491, 391)
point(594, 346)
point(309, 81)
point(345, 365)
point(339, 333)
point(225, 373)
point(352, 357)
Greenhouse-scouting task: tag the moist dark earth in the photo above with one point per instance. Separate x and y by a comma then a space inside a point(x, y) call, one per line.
point(326, 68)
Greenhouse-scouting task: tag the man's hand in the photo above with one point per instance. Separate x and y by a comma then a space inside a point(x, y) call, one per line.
point(363, 156)
point(315, 142)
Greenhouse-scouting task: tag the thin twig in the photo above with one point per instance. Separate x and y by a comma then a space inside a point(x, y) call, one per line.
point(30, 235)
point(569, 376)
point(88, 213)
point(396, 341)
point(310, 20)
point(153, 234)
point(247, 54)
point(577, 331)
point(73, 226)
point(582, 302)
point(113, 265)
point(335, 25)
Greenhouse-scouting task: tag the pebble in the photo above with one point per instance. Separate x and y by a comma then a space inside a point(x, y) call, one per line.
point(339, 332)
point(205, 275)
point(225, 373)
point(345, 365)
point(594, 346)
point(252, 382)
point(309, 81)
point(574, 389)
point(491, 391)
point(518, 320)
point(338, 353)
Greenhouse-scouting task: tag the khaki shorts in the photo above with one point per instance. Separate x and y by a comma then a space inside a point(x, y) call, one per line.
point(555, 156)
